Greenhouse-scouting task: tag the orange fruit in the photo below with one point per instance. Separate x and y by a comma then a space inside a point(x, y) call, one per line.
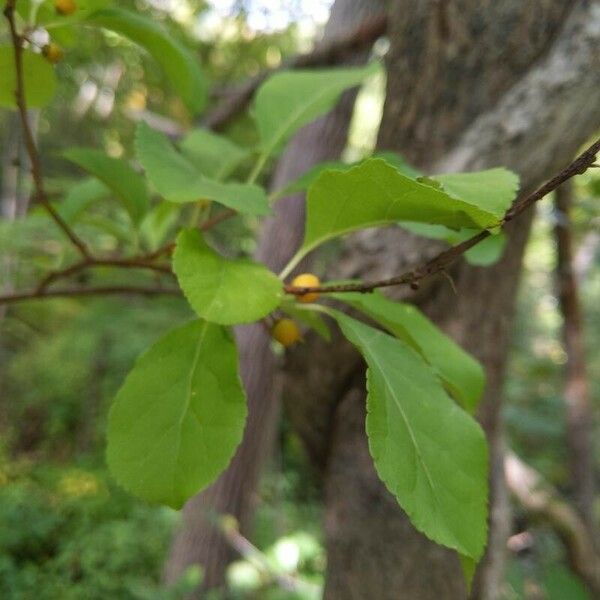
point(286, 332)
point(53, 52)
point(65, 7)
point(307, 280)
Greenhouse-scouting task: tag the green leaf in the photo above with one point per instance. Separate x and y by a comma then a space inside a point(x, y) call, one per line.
point(221, 290)
point(487, 252)
point(493, 190)
point(429, 453)
point(291, 99)
point(178, 180)
point(309, 177)
point(38, 75)
point(374, 193)
point(460, 372)
point(179, 417)
point(213, 155)
point(81, 196)
point(157, 224)
point(128, 186)
point(180, 66)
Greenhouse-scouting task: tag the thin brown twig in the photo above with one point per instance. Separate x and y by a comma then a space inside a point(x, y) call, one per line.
point(110, 290)
point(91, 262)
point(326, 54)
point(443, 260)
point(32, 151)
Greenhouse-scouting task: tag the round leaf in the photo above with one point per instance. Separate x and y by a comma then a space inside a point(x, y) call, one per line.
point(179, 417)
point(221, 290)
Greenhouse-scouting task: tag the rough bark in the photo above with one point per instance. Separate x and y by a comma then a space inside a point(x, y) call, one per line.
point(235, 493)
point(549, 106)
point(578, 408)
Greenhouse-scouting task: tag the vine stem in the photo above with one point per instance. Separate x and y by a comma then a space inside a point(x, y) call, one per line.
point(443, 260)
point(32, 150)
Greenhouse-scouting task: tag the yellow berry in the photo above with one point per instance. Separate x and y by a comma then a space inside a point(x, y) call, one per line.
point(53, 52)
point(65, 7)
point(307, 280)
point(286, 332)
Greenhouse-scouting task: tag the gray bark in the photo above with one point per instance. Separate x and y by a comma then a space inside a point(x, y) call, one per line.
point(531, 115)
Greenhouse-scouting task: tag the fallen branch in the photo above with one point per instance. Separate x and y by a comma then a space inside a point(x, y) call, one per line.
point(541, 500)
point(229, 528)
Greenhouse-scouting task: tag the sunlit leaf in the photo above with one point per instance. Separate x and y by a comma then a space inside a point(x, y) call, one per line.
point(305, 180)
point(374, 193)
point(291, 99)
point(493, 190)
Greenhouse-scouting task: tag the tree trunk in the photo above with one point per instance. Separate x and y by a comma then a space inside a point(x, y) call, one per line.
point(236, 491)
point(518, 82)
point(578, 407)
